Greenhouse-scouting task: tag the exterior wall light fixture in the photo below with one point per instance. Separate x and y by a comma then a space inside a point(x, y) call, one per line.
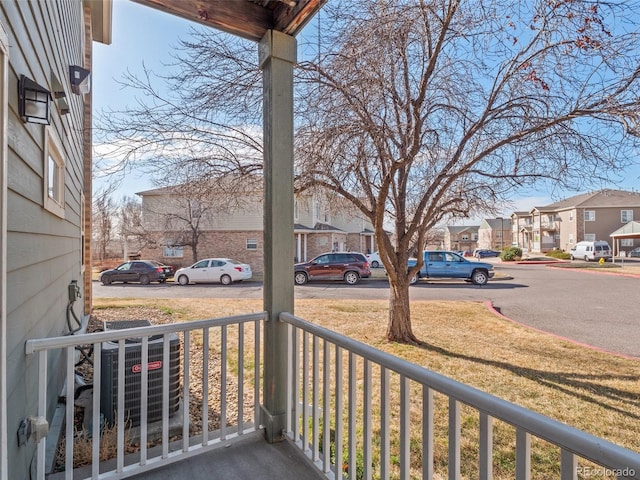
point(80, 79)
point(34, 102)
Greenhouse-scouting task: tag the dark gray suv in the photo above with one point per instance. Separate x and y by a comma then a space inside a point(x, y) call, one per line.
point(347, 266)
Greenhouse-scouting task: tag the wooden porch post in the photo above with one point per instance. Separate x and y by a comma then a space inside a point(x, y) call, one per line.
point(277, 58)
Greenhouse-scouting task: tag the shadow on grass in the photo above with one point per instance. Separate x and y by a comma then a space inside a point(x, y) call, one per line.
point(568, 383)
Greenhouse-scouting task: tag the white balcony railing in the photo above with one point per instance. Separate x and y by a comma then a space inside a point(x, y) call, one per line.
point(238, 362)
point(385, 428)
point(354, 411)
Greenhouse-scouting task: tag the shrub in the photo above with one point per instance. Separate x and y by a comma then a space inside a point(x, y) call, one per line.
point(559, 254)
point(509, 254)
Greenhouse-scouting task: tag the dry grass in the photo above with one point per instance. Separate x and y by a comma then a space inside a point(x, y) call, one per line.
point(590, 390)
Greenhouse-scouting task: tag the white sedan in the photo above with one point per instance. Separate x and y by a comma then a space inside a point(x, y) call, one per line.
point(374, 260)
point(213, 270)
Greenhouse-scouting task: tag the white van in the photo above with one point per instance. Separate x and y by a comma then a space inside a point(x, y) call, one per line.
point(591, 250)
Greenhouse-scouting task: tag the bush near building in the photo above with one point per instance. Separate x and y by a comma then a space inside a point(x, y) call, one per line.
point(510, 254)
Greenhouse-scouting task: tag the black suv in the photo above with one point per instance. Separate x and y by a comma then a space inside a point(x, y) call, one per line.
point(347, 266)
point(143, 271)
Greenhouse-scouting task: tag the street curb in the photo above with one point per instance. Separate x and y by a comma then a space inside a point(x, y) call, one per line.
point(497, 312)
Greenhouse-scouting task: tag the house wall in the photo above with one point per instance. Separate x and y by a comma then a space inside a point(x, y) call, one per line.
point(607, 220)
point(226, 244)
point(43, 246)
point(158, 211)
point(225, 233)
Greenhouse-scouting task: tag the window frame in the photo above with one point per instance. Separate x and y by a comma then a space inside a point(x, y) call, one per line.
point(591, 217)
point(178, 249)
point(622, 216)
point(251, 244)
point(54, 200)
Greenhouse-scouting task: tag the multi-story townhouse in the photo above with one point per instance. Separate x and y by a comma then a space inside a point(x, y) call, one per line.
point(461, 238)
point(235, 229)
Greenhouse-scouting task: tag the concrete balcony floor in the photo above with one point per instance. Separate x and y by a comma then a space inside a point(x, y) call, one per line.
point(248, 457)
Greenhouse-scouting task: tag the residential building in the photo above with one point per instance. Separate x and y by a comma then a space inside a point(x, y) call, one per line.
point(588, 216)
point(494, 233)
point(45, 205)
point(46, 231)
point(461, 238)
point(235, 229)
point(522, 230)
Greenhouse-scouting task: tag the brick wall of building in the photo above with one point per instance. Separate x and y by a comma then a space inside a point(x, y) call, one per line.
point(231, 244)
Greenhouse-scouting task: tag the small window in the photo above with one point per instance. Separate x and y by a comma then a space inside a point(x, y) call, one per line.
point(252, 244)
point(202, 264)
point(173, 251)
point(571, 238)
point(626, 242)
point(570, 216)
point(465, 238)
point(590, 216)
point(54, 173)
point(589, 237)
point(626, 216)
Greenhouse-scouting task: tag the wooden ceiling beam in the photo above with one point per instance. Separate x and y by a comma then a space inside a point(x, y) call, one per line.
point(239, 17)
point(244, 18)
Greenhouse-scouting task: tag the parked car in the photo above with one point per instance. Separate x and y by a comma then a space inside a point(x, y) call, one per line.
point(634, 253)
point(347, 266)
point(168, 269)
point(374, 260)
point(213, 270)
point(443, 264)
point(588, 250)
point(142, 271)
point(483, 253)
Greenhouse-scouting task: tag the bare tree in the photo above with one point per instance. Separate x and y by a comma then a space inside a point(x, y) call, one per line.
point(103, 217)
point(425, 109)
point(187, 210)
point(206, 123)
point(413, 111)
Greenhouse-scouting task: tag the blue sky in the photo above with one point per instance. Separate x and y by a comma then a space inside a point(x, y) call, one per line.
point(151, 40)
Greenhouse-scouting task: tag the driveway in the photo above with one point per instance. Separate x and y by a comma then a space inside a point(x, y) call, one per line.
point(591, 308)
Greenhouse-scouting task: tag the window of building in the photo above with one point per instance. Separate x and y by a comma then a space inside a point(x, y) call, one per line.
point(571, 238)
point(626, 242)
point(464, 237)
point(252, 244)
point(590, 216)
point(173, 251)
point(589, 237)
point(626, 216)
point(54, 173)
point(570, 216)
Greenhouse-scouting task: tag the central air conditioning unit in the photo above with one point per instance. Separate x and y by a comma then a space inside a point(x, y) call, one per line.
point(133, 375)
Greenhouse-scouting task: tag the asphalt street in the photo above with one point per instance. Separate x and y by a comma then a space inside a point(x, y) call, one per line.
point(596, 309)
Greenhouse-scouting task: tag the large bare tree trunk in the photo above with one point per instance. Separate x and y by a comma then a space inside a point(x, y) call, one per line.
point(399, 327)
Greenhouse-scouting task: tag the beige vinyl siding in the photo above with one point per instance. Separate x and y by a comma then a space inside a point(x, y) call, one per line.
point(305, 212)
point(158, 209)
point(43, 249)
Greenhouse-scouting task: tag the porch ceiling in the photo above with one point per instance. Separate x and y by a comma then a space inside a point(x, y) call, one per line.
point(246, 18)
